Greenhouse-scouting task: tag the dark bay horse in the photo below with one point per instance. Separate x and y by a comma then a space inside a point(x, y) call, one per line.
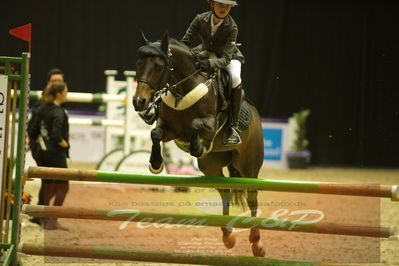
point(190, 114)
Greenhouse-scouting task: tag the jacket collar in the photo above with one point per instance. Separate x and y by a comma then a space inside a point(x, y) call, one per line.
point(207, 19)
point(208, 16)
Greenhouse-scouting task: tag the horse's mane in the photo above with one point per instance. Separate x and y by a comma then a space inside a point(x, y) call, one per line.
point(179, 44)
point(154, 48)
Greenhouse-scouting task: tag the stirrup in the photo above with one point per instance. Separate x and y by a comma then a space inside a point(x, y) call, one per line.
point(233, 138)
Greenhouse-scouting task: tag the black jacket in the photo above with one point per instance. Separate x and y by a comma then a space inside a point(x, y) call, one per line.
point(222, 43)
point(50, 122)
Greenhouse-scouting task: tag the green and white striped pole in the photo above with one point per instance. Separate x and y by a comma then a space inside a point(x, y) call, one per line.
point(366, 190)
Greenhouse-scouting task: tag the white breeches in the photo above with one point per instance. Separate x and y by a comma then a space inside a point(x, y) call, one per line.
point(234, 68)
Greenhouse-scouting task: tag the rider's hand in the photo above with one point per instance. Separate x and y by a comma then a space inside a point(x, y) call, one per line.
point(204, 65)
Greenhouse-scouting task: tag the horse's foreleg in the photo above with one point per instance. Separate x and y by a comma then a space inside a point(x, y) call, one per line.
point(156, 165)
point(229, 239)
point(254, 237)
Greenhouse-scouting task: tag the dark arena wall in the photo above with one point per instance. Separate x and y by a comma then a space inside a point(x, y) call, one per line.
point(337, 58)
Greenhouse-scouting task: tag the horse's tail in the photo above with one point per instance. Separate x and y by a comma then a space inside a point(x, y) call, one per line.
point(238, 196)
point(239, 199)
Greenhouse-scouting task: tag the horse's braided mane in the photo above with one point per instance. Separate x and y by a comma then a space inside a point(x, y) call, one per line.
point(154, 48)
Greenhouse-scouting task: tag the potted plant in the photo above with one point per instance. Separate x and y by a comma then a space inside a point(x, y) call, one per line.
point(299, 157)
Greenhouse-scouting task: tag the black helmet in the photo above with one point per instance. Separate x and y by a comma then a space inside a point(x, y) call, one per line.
point(228, 2)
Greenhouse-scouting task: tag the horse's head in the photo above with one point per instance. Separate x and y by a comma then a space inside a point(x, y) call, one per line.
point(153, 70)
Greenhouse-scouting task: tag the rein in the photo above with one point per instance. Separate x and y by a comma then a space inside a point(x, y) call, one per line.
point(164, 89)
point(171, 88)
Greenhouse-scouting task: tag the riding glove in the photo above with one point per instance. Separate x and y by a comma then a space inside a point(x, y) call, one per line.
point(204, 65)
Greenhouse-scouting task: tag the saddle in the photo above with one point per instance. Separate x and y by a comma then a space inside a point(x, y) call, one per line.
point(223, 80)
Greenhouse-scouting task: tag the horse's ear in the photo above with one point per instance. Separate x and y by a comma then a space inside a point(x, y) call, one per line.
point(165, 43)
point(144, 39)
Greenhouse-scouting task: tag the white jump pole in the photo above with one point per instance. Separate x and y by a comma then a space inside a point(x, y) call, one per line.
point(112, 87)
point(82, 97)
point(130, 90)
point(92, 122)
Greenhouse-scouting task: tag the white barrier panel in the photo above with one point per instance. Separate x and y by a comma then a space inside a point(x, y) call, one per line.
point(87, 142)
point(3, 123)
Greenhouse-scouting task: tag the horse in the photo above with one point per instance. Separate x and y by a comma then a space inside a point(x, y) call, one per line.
point(191, 113)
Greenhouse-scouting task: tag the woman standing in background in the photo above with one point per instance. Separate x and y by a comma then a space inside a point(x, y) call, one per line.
point(49, 129)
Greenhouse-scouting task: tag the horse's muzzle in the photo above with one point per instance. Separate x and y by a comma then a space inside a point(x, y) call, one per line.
point(139, 103)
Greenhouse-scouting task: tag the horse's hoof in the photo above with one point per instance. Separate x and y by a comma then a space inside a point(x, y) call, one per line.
point(156, 171)
point(258, 250)
point(229, 241)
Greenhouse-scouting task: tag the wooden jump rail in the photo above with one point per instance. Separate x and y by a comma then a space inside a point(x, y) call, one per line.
point(366, 190)
point(150, 256)
point(190, 220)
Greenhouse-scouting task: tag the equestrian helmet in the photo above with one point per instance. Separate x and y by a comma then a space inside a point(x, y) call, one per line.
point(228, 2)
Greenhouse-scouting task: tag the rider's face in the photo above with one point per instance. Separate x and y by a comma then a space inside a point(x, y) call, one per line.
point(221, 9)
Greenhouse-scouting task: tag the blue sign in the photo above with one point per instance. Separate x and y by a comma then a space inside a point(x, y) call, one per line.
point(273, 140)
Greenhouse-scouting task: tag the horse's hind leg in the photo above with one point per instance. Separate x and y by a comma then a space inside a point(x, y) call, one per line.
point(229, 239)
point(249, 167)
point(212, 165)
point(254, 237)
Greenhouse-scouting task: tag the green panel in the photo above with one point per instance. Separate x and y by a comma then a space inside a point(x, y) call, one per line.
point(23, 105)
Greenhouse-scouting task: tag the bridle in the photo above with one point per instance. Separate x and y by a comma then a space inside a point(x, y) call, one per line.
point(163, 86)
point(164, 76)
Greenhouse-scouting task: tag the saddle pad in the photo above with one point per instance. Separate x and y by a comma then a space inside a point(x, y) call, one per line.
point(243, 122)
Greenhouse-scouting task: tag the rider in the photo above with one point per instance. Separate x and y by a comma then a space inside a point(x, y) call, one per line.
point(218, 33)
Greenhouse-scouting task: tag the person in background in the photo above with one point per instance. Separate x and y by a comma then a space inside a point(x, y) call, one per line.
point(48, 132)
point(53, 75)
point(218, 32)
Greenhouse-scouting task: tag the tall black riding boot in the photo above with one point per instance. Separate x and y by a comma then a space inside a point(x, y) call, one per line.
point(233, 137)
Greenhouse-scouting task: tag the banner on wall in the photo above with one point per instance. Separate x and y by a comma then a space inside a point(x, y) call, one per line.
point(276, 139)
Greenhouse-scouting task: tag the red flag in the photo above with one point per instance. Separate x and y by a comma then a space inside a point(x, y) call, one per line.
point(23, 32)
